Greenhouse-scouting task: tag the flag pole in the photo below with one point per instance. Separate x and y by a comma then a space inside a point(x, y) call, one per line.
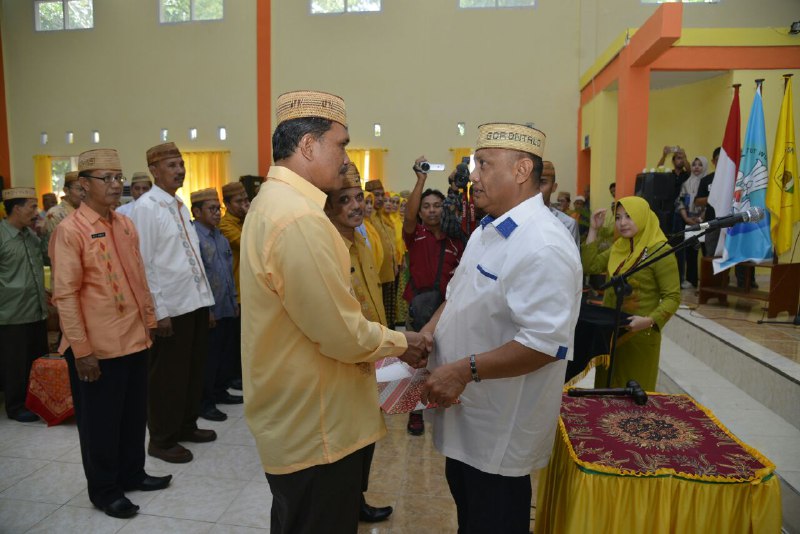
point(796, 321)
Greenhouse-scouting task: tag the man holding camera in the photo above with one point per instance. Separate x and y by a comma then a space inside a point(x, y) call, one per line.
point(503, 337)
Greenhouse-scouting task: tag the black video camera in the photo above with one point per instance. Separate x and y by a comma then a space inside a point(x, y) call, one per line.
point(461, 179)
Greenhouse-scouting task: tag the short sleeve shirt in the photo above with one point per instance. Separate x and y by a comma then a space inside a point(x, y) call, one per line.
point(520, 279)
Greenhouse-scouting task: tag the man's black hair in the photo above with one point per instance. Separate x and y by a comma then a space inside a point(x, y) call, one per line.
point(289, 133)
point(716, 152)
point(10, 203)
point(434, 192)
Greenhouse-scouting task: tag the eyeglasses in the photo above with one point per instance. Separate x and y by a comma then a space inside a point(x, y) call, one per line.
point(120, 179)
point(213, 209)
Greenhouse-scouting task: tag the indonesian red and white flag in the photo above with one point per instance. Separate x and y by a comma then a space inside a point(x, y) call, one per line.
point(721, 194)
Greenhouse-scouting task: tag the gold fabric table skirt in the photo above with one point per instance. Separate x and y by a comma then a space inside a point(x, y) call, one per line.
point(666, 467)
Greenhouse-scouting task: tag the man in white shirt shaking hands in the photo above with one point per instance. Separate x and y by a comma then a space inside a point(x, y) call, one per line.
point(503, 337)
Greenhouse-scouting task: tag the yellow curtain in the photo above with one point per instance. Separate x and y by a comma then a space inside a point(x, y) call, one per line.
point(42, 174)
point(369, 162)
point(203, 170)
point(459, 153)
point(376, 169)
point(358, 156)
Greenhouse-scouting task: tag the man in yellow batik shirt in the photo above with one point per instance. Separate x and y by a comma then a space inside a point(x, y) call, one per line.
point(345, 209)
point(237, 203)
point(387, 272)
point(307, 349)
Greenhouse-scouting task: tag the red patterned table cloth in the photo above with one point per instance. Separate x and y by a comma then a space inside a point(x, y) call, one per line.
point(668, 466)
point(49, 393)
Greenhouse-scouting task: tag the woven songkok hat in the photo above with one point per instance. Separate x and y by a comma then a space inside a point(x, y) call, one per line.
point(204, 194)
point(232, 189)
point(548, 169)
point(163, 151)
point(512, 137)
point(372, 185)
point(140, 177)
point(105, 159)
point(299, 104)
point(19, 192)
point(351, 178)
point(71, 176)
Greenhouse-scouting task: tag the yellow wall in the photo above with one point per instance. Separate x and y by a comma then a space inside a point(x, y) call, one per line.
point(419, 67)
point(129, 77)
point(422, 66)
point(599, 122)
point(694, 115)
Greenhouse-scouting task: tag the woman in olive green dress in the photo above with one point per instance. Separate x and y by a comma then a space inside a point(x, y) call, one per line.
point(655, 289)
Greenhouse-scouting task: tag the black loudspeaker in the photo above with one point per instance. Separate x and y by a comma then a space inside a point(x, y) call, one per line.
point(658, 189)
point(251, 185)
point(2, 183)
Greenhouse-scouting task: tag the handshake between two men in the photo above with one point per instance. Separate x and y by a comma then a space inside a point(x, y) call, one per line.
point(419, 346)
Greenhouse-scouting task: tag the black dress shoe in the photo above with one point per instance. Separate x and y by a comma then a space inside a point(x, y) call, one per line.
point(371, 514)
point(151, 483)
point(230, 399)
point(25, 416)
point(122, 508)
point(198, 435)
point(212, 414)
point(236, 383)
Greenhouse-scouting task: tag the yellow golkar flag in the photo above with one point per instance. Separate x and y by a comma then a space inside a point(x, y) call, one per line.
point(783, 193)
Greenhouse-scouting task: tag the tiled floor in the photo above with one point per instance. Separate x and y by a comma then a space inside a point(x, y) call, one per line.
point(223, 490)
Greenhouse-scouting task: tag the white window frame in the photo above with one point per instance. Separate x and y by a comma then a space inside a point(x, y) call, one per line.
point(65, 20)
point(496, 6)
point(191, 14)
point(345, 10)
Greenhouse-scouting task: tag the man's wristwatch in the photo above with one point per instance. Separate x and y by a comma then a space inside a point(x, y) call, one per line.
point(473, 368)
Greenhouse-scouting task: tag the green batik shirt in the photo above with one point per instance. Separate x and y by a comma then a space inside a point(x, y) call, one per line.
point(22, 295)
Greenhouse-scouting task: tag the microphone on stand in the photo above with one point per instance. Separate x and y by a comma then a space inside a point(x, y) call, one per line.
point(749, 215)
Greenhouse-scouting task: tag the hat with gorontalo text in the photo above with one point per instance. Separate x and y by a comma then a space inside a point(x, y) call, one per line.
point(71, 176)
point(372, 185)
point(161, 152)
point(204, 194)
point(19, 192)
point(512, 137)
point(301, 104)
point(140, 177)
point(352, 178)
point(233, 188)
point(105, 159)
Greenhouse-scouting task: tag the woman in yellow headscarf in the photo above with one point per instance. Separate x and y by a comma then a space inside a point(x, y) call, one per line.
point(655, 290)
point(373, 237)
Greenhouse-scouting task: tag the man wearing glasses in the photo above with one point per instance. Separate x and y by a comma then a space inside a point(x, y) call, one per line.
point(223, 334)
point(106, 315)
point(181, 295)
point(73, 196)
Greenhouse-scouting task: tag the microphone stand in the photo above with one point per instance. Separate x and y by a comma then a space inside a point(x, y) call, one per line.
point(621, 288)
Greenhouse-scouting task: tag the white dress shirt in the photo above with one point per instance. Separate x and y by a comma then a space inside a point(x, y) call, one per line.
point(171, 253)
point(519, 279)
point(126, 209)
point(570, 223)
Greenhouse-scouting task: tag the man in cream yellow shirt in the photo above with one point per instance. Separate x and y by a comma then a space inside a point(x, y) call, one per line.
point(310, 394)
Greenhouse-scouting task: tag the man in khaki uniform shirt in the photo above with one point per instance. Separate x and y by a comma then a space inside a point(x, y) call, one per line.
point(307, 350)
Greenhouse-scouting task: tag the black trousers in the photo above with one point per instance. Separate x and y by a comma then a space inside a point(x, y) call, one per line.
point(489, 503)
point(235, 363)
point(222, 349)
point(20, 344)
point(320, 499)
point(176, 373)
point(111, 413)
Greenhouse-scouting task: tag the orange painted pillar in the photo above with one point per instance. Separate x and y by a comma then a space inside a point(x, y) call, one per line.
point(632, 111)
point(264, 84)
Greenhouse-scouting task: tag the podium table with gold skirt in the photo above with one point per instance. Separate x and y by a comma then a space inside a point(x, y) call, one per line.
point(665, 467)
